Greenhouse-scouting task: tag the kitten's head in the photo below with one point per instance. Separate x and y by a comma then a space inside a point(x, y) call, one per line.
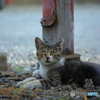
point(48, 54)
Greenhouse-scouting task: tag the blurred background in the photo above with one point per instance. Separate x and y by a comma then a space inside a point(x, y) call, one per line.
point(20, 24)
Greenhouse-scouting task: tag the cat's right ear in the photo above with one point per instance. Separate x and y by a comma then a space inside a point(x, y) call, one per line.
point(60, 44)
point(38, 42)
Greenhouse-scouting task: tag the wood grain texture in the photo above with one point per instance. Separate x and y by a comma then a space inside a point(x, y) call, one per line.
point(63, 27)
point(3, 61)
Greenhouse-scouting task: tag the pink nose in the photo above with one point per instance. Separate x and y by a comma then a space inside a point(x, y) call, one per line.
point(47, 58)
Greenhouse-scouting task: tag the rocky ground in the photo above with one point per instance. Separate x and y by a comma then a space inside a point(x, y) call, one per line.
point(8, 89)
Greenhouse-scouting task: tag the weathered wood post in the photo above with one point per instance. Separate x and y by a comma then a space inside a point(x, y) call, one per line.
point(3, 61)
point(58, 23)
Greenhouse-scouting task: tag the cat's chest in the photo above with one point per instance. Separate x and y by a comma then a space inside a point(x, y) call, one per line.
point(43, 71)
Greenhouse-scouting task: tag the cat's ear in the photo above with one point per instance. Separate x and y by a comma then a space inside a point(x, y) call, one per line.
point(38, 42)
point(60, 44)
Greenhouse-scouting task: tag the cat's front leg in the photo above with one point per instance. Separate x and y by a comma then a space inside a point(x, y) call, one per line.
point(33, 84)
point(42, 83)
point(54, 81)
point(35, 76)
point(26, 81)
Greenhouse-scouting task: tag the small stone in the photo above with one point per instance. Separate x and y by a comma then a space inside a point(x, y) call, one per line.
point(5, 81)
point(15, 78)
point(3, 86)
point(25, 74)
point(52, 88)
point(37, 99)
point(9, 74)
point(5, 96)
point(67, 87)
point(66, 94)
point(29, 91)
point(77, 97)
point(94, 98)
point(48, 97)
point(88, 84)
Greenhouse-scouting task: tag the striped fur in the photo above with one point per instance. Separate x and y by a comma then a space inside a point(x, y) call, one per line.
point(54, 70)
point(74, 72)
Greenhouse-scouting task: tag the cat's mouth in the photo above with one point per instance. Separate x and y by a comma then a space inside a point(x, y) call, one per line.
point(47, 61)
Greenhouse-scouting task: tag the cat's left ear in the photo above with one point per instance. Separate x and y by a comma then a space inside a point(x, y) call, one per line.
point(38, 42)
point(60, 44)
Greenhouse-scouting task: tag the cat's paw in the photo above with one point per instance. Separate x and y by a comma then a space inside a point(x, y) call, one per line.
point(25, 81)
point(19, 84)
point(36, 74)
point(32, 84)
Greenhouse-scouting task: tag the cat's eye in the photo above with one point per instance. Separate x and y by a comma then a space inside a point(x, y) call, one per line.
point(43, 53)
point(52, 53)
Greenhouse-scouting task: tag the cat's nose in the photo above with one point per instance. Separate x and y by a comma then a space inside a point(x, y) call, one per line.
point(47, 58)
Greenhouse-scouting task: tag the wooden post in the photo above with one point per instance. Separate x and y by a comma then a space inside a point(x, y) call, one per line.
point(58, 23)
point(3, 61)
point(9, 1)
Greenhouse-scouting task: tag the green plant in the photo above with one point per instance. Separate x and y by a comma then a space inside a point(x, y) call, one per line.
point(20, 68)
point(16, 91)
point(21, 86)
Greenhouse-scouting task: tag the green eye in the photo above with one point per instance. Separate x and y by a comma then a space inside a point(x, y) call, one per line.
point(52, 53)
point(43, 53)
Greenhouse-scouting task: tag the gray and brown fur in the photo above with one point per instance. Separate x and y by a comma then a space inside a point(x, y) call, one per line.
point(54, 70)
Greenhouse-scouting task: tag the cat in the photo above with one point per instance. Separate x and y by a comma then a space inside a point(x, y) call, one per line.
point(55, 70)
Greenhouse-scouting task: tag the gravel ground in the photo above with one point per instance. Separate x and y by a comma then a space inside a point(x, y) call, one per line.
point(20, 24)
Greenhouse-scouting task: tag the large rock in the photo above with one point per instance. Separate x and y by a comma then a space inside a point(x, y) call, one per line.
point(3, 61)
point(8, 74)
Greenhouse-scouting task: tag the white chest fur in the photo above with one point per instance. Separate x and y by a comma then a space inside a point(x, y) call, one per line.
point(44, 69)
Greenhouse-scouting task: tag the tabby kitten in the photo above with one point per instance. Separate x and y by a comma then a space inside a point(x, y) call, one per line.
point(55, 70)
